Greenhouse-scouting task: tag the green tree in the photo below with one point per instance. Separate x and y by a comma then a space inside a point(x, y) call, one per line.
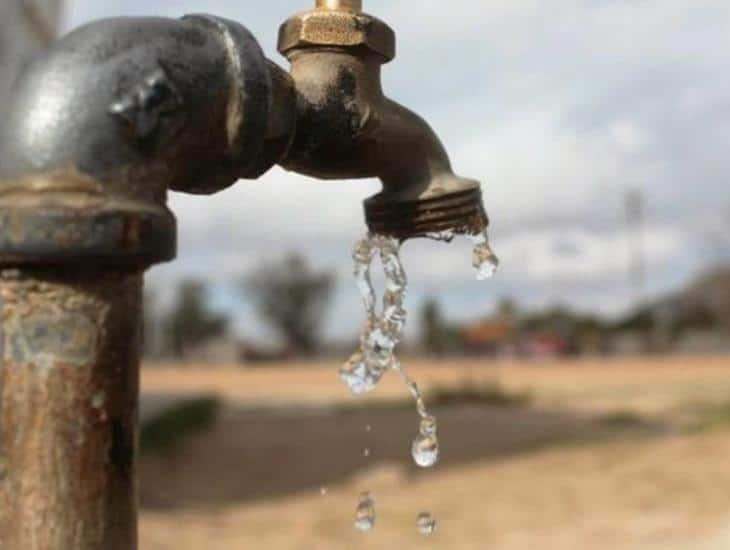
point(191, 323)
point(433, 330)
point(293, 299)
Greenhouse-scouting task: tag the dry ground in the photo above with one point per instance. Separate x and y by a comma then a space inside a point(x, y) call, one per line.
point(555, 474)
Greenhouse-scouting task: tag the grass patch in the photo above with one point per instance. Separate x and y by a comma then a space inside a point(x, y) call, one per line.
point(711, 417)
point(184, 419)
point(621, 419)
point(490, 394)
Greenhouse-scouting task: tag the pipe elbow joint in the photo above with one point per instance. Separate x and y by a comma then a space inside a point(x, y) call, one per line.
point(117, 113)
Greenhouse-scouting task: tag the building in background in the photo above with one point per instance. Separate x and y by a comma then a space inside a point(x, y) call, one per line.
point(27, 27)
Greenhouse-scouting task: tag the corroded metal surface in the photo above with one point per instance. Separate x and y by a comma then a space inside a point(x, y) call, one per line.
point(68, 410)
point(67, 217)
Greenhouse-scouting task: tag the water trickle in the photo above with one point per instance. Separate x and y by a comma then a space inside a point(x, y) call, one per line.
point(366, 367)
point(426, 524)
point(365, 514)
point(380, 336)
point(484, 260)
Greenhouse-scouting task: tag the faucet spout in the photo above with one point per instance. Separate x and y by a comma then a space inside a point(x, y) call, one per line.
point(347, 128)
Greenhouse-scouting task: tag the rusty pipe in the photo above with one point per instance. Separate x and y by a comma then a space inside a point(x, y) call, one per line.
point(347, 127)
point(68, 408)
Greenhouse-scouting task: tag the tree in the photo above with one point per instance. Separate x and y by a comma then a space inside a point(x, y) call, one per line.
point(191, 323)
point(292, 299)
point(433, 340)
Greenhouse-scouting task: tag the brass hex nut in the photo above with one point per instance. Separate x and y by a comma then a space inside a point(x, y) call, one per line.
point(337, 28)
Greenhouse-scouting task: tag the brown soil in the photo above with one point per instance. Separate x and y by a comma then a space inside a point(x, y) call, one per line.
point(552, 474)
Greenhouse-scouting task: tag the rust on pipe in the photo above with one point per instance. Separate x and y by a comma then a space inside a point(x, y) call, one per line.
point(68, 409)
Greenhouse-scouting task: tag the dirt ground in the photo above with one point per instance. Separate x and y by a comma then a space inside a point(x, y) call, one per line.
point(605, 454)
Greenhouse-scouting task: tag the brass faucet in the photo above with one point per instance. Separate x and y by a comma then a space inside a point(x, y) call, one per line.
point(97, 132)
point(347, 127)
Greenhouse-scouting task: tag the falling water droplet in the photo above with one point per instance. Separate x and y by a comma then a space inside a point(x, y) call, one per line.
point(425, 448)
point(426, 524)
point(323, 491)
point(368, 428)
point(359, 376)
point(365, 515)
point(366, 453)
point(485, 261)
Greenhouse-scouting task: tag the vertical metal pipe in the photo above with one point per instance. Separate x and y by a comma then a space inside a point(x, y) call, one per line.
point(349, 5)
point(68, 409)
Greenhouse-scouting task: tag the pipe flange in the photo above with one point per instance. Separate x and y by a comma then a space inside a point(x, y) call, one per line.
point(337, 28)
point(65, 219)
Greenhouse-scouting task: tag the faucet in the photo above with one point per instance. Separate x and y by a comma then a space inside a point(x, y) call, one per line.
point(347, 128)
point(97, 131)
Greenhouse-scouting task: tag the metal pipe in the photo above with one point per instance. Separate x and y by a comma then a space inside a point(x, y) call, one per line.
point(69, 385)
point(347, 5)
point(98, 130)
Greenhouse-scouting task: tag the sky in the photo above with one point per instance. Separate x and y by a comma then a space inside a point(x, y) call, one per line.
point(559, 107)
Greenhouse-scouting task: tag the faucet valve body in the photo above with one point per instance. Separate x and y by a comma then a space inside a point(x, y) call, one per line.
point(347, 128)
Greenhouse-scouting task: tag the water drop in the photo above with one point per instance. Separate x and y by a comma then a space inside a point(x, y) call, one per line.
point(366, 453)
point(368, 428)
point(359, 376)
point(425, 448)
point(426, 524)
point(323, 491)
point(365, 515)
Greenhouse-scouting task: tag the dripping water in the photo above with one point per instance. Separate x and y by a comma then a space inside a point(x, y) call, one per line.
point(365, 513)
point(426, 524)
point(383, 331)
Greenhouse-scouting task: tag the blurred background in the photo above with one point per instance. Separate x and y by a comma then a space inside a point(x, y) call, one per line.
point(583, 393)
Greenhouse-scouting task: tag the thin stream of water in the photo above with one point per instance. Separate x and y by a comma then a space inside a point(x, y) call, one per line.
point(382, 333)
